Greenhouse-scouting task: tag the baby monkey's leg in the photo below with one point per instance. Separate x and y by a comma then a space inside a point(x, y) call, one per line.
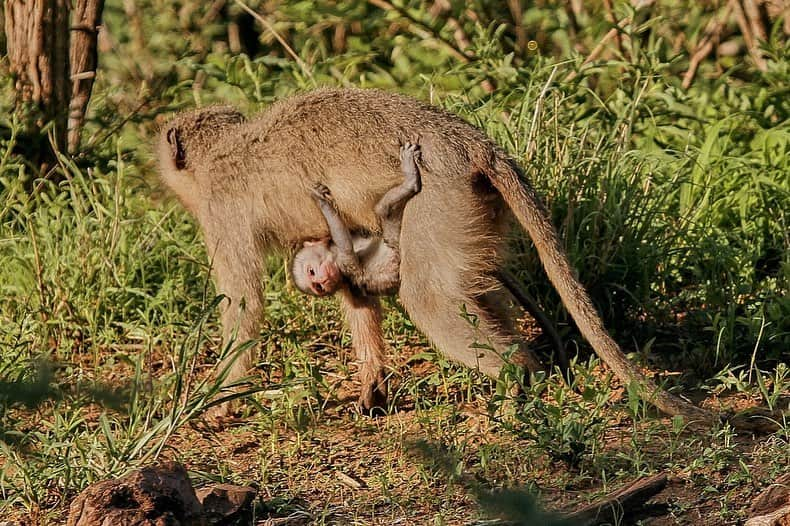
point(390, 207)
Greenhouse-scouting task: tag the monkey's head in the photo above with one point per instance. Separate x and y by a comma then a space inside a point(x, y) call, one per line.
point(183, 144)
point(315, 270)
point(196, 131)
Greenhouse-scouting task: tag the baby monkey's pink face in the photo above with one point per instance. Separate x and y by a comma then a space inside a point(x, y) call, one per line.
point(314, 269)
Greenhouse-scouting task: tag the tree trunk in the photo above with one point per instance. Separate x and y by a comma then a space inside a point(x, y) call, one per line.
point(84, 59)
point(37, 33)
point(54, 66)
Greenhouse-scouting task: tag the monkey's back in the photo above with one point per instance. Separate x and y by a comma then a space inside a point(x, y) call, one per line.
point(348, 139)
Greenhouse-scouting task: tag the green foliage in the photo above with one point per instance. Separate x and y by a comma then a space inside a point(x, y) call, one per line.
point(90, 287)
point(565, 421)
point(517, 506)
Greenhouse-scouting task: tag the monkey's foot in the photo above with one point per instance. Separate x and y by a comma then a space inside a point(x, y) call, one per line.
point(373, 398)
point(222, 416)
point(321, 192)
point(409, 154)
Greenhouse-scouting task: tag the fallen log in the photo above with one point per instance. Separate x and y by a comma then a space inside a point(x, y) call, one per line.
point(626, 501)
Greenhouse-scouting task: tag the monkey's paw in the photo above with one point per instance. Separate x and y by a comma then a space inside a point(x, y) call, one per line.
point(322, 193)
point(409, 154)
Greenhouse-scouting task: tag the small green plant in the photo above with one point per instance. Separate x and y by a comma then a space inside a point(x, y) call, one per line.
point(566, 421)
point(771, 387)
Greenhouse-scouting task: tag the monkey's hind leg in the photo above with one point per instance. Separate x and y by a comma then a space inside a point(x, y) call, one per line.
point(480, 339)
point(531, 306)
point(363, 316)
point(390, 207)
point(446, 268)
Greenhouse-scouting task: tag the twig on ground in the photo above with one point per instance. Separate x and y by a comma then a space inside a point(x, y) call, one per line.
point(611, 18)
point(751, 29)
point(597, 50)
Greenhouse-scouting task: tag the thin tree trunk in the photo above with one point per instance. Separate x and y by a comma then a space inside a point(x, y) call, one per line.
point(84, 59)
point(518, 24)
point(37, 34)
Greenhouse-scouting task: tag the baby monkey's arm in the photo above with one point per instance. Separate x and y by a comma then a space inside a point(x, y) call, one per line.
point(347, 259)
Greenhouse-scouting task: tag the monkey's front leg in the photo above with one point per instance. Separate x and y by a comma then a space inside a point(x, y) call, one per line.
point(363, 315)
point(237, 267)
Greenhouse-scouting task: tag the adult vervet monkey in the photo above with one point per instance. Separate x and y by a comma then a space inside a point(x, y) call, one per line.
point(248, 183)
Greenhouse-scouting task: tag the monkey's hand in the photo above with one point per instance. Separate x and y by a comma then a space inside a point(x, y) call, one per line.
point(322, 194)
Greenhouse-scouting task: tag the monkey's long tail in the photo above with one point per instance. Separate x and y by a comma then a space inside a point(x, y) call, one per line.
point(522, 199)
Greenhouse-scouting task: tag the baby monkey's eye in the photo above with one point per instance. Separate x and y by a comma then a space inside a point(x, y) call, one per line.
point(310, 271)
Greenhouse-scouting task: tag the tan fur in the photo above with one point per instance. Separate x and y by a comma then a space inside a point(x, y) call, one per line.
point(198, 131)
point(253, 182)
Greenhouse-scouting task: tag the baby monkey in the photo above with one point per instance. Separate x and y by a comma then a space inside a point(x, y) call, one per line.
point(369, 265)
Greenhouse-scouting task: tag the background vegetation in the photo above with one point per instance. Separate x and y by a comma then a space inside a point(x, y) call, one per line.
point(671, 189)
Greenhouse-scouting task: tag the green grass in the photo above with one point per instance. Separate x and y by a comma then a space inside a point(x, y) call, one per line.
point(673, 206)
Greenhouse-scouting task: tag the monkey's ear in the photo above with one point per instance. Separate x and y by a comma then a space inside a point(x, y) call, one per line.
point(177, 152)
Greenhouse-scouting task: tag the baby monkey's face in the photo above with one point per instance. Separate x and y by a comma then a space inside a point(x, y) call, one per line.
point(315, 270)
